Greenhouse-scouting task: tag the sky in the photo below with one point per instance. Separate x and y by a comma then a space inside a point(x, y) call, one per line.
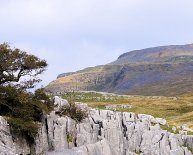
point(75, 34)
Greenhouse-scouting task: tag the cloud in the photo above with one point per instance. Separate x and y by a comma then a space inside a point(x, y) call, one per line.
point(48, 17)
point(73, 34)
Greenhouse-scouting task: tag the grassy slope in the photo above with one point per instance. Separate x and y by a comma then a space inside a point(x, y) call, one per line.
point(176, 110)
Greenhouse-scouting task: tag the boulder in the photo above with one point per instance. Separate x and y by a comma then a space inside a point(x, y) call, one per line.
point(59, 102)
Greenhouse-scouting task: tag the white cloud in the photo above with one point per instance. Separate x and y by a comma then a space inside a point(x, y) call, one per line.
point(72, 34)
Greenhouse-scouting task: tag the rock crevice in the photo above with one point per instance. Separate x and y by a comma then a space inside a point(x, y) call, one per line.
point(104, 132)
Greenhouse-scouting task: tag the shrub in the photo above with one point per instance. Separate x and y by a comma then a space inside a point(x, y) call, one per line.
point(72, 110)
point(28, 129)
point(23, 110)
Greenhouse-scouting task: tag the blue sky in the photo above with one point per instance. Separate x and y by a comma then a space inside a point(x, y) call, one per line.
point(74, 34)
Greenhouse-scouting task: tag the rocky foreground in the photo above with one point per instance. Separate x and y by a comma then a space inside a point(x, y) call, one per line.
point(104, 132)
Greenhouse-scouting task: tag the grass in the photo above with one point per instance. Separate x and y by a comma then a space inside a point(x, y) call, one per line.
point(69, 138)
point(189, 148)
point(189, 133)
point(169, 128)
point(176, 110)
point(94, 97)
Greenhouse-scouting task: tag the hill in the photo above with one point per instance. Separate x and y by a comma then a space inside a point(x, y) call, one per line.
point(162, 54)
point(161, 71)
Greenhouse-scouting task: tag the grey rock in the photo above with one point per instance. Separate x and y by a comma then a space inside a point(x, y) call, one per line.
point(59, 102)
point(104, 132)
point(8, 146)
point(118, 106)
point(60, 136)
point(161, 121)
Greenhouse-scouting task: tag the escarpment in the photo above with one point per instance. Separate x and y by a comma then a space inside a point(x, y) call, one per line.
point(158, 71)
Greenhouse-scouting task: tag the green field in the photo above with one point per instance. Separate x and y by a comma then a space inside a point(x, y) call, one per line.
point(176, 110)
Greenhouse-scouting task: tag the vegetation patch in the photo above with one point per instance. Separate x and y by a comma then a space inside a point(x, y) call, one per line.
point(24, 110)
point(88, 97)
point(72, 110)
point(169, 128)
point(28, 129)
point(189, 148)
point(69, 138)
point(189, 133)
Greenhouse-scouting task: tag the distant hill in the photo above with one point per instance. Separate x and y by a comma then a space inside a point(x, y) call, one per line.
point(164, 70)
point(162, 54)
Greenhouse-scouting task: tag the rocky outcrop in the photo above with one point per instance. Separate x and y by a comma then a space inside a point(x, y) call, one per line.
point(118, 134)
point(9, 143)
point(101, 147)
point(104, 132)
point(118, 106)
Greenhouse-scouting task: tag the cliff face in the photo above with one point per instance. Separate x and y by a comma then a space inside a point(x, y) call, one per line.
point(153, 71)
point(104, 132)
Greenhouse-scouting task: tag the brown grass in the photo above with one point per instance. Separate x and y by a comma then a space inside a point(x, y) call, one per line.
point(176, 110)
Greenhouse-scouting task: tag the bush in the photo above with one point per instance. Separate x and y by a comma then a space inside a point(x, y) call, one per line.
point(23, 110)
point(28, 129)
point(72, 110)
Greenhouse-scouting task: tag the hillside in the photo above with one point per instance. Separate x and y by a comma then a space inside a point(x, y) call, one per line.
point(162, 71)
point(162, 54)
